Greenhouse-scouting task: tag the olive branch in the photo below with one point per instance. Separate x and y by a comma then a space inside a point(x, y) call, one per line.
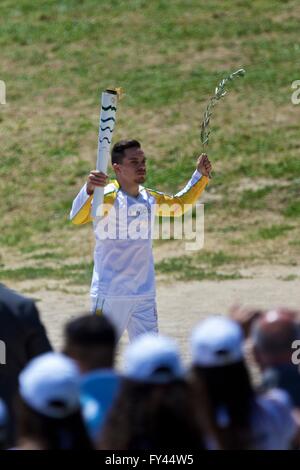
point(220, 92)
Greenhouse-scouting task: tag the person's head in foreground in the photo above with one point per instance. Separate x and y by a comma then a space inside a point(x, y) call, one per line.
point(273, 334)
point(243, 420)
point(91, 341)
point(129, 162)
point(152, 410)
point(49, 409)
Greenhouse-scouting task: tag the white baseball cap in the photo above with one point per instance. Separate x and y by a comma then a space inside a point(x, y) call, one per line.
point(217, 341)
point(153, 358)
point(50, 385)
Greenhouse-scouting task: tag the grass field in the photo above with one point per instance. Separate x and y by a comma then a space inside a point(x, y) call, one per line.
point(56, 56)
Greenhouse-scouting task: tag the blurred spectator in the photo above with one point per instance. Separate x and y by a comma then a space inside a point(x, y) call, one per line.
point(91, 341)
point(243, 419)
point(49, 416)
point(24, 337)
point(272, 335)
point(3, 426)
point(153, 409)
point(245, 316)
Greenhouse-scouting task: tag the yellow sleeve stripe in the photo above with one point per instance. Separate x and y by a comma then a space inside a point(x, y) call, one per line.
point(179, 203)
point(84, 216)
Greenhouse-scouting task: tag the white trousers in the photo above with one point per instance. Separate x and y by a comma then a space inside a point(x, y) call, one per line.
point(136, 315)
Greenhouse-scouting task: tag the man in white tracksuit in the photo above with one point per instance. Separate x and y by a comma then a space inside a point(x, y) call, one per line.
point(123, 284)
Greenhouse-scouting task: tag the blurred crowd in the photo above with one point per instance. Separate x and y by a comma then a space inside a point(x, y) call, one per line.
point(240, 389)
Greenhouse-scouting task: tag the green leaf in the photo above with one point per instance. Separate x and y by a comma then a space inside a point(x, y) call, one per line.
point(220, 92)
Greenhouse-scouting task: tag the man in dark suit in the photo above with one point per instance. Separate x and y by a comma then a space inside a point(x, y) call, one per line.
point(22, 337)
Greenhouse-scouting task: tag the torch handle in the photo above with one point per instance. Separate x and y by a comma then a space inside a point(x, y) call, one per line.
point(107, 121)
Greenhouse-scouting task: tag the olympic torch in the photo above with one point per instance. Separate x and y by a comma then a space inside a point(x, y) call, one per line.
point(109, 100)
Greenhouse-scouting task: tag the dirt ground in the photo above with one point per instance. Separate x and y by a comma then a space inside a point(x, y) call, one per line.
point(180, 304)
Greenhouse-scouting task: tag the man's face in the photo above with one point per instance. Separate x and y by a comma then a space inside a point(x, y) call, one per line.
point(133, 167)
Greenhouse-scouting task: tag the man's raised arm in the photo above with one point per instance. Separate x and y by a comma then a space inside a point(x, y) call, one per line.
point(82, 204)
point(184, 199)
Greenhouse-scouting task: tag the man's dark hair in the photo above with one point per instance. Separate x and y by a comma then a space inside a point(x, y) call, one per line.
point(118, 150)
point(91, 341)
point(90, 330)
point(152, 416)
point(67, 433)
point(229, 388)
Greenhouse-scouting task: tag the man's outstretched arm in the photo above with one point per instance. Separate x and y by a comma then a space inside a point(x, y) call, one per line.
point(188, 196)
